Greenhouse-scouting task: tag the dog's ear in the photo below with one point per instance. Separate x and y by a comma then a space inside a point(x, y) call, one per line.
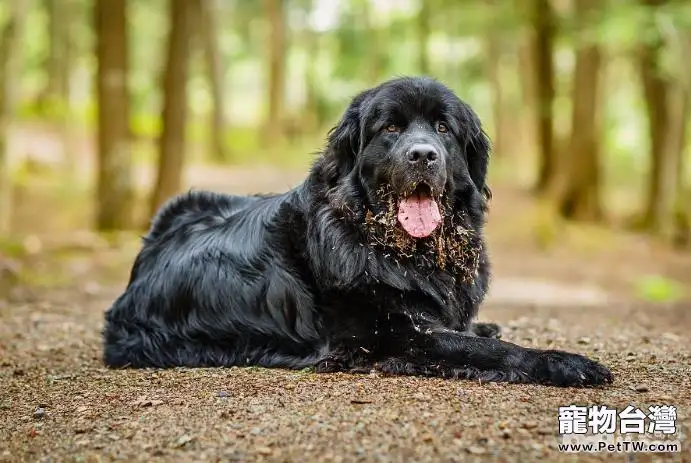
point(478, 148)
point(345, 139)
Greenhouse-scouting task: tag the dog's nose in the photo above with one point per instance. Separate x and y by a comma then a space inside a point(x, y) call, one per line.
point(422, 152)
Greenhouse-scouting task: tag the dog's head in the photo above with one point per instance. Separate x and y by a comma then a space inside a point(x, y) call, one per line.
point(413, 141)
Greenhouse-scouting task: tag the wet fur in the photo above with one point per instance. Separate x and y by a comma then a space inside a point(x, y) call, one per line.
point(300, 279)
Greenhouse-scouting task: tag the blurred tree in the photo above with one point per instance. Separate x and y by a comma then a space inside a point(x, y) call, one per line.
point(424, 31)
point(207, 12)
point(275, 14)
point(57, 66)
point(494, 53)
point(10, 66)
point(666, 98)
point(313, 115)
point(543, 22)
point(527, 132)
point(114, 184)
point(175, 108)
point(682, 232)
point(311, 119)
point(577, 189)
point(62, 17)
point(374, 38)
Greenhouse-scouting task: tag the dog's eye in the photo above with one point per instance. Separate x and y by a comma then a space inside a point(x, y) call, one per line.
point(442, 128)
point(392, 128)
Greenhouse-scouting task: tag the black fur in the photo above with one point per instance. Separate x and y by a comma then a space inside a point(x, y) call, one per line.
point(301, 280)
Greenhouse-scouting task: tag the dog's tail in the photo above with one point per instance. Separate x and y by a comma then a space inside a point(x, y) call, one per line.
point(191, 207)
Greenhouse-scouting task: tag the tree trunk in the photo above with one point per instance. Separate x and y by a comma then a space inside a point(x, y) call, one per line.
point(277, 48)
point(207, 11)
point(494, 56)
point(655, 93)
point(423, 24)
point(542, 53)
point(667, 102)
point(527, 123)
point(671, 181)
point(70, 9)
point(312, 116)
point(10, 62)
point(174, 113)
point(682, 233)
point(376, 37)
point(53, 63)
point(578, 189)
point(114, 190)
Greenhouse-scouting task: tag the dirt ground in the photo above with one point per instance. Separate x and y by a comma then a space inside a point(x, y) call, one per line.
point(58, 403)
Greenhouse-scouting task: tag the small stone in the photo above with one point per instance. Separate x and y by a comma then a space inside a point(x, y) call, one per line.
point(506, 434)
point(584, 341)
point(141, 402)
point(183, 440)
point(222, 394)
point(641, 388)
point(39, 413)
point(264, 451)
point(421, 397)
point(529, 425)
point(476, 450)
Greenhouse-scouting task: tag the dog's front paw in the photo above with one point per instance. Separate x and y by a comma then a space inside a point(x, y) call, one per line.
point(560, 368)
point(329, 365)
point(486, 330)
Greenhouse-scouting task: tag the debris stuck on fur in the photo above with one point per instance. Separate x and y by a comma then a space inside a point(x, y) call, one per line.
point(453, 246)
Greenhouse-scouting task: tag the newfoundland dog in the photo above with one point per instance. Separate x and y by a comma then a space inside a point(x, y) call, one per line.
point(375, 262)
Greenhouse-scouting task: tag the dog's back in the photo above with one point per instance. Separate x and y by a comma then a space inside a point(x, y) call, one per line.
point(203, 207)
point(208, 288)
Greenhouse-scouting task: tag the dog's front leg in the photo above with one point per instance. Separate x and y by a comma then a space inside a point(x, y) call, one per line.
point(426, 349)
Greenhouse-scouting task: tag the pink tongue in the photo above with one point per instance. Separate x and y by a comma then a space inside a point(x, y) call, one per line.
point(419, 215)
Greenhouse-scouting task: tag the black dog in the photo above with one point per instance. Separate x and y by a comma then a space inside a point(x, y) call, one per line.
point(376, 261)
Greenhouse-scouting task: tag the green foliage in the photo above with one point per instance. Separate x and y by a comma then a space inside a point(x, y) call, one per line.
point(656, 288)
point(11, 248)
